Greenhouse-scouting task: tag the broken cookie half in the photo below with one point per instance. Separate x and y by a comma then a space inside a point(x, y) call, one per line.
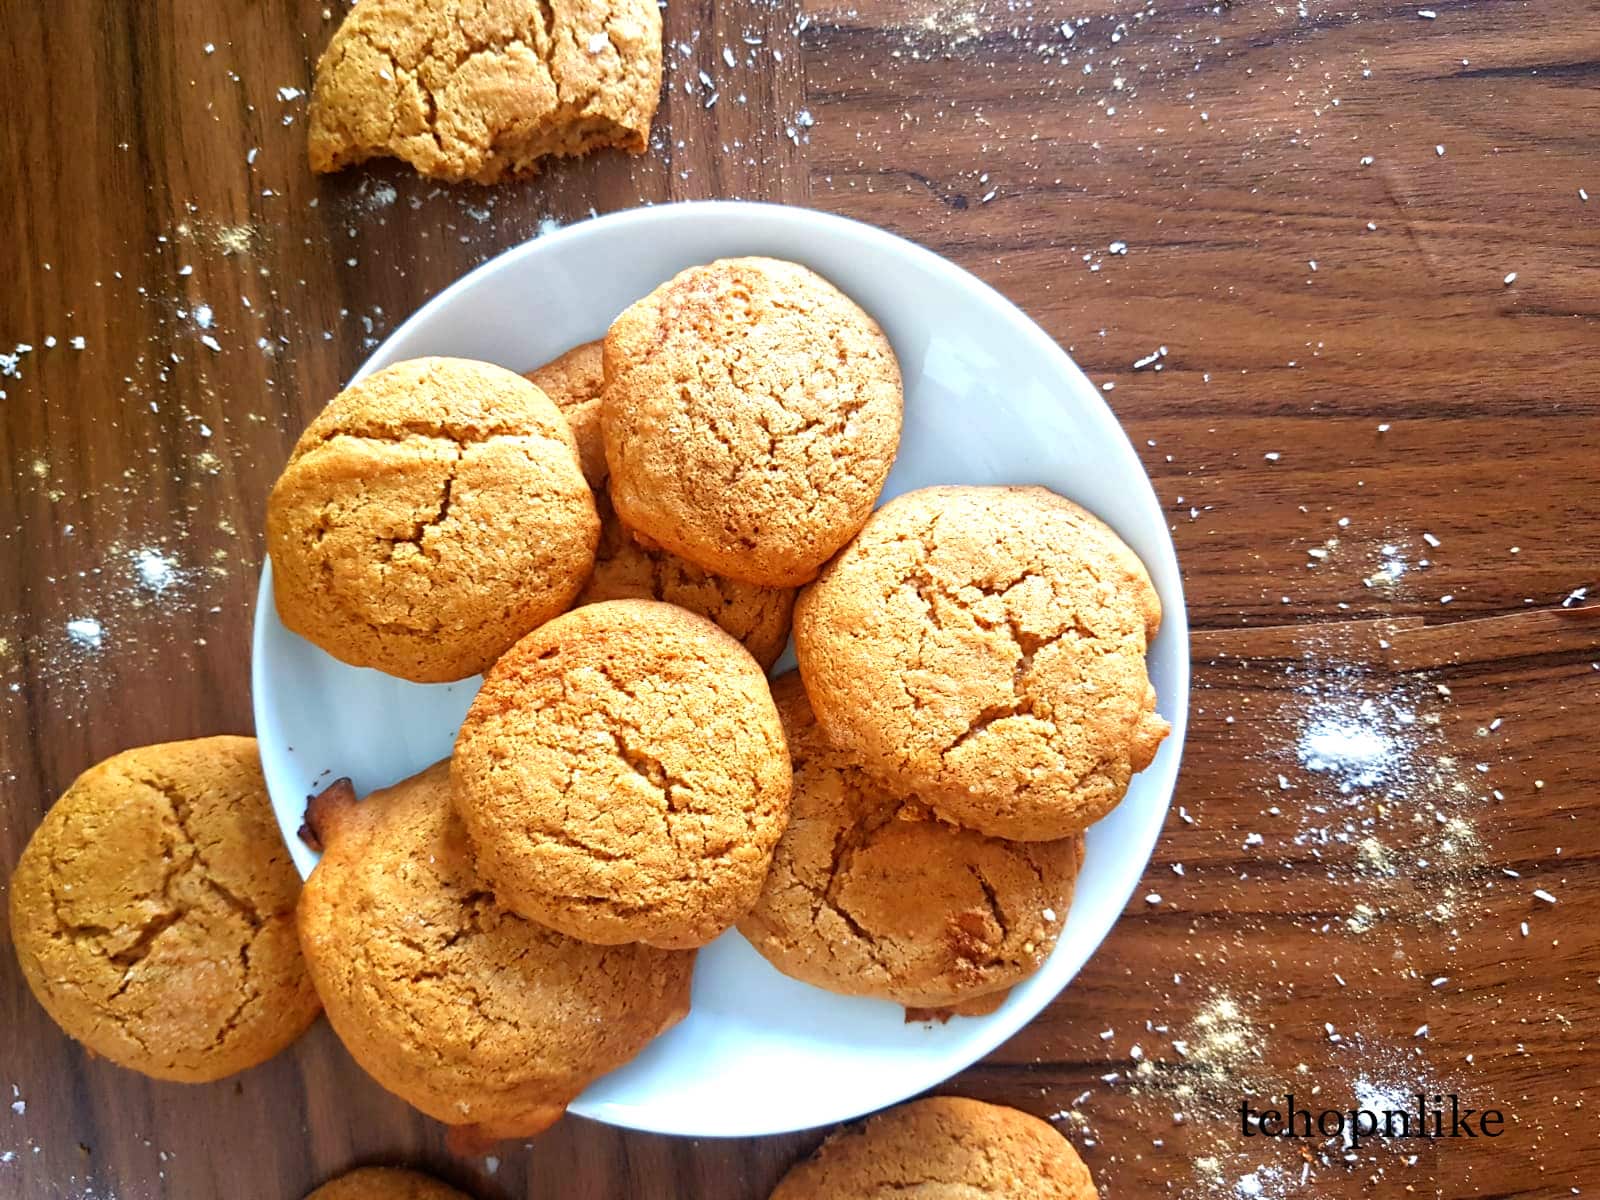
point(484, 89)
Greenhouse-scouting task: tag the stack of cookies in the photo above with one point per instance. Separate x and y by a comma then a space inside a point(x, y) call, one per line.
point(619, 542)
point(621, 539)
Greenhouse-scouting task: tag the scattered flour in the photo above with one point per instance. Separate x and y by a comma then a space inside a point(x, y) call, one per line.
point(1354, 747)
point(86, 632)
point(156, 571)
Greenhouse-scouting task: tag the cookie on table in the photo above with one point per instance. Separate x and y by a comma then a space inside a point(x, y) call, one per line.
point(623, 776)
point(385, 1183)
point(153, 913)
point(483, 1020)
point(484, 89)
point(870, 895)
point(985, 648)
point(575, 382)
point(428, 518)
point(943, 1148)
point(626, 569)
point(752, 412)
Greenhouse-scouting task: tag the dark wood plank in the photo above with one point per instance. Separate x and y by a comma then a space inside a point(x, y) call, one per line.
point(148, 175)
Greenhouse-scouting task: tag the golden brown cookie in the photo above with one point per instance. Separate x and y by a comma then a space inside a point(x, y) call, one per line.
point(623, 776)
point(575, 381)
point(153, 913)
point(428, 518)
point(485, 1021)
point(984, 647)
point(871, 895)
point(483, 89)
point(625, 569)
point(943, 1148)
point(385, 1183)
point(751, 415)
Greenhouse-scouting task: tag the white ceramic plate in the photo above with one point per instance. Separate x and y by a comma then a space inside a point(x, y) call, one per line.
point(989, 399)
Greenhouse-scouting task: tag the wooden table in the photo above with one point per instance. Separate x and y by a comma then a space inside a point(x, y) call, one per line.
point(1354, 237)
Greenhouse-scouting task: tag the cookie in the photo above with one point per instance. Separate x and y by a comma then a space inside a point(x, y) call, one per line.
point(870, 895)
point(943, 1148)
point(623, 776)
point(752, 412)
point(625, 569)
point(985, 648)
point(485, 1021)
point(153, 913)
point(428, 518)
point(385, 1183)
point(484, 89)
point(575, 382)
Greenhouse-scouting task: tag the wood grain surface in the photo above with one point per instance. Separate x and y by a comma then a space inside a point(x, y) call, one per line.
point(1353, 236)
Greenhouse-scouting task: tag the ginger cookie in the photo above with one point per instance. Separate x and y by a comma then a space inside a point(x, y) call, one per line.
point(483, 90)
point(943, 1148)
point(575, 382)
point(483, 1020)
point(428, 518)
point(626, 569)
point(153, 913)
point(752, 412)
point(385, 1183)
point(985, 648)
point(623, 776)
point(871, 895)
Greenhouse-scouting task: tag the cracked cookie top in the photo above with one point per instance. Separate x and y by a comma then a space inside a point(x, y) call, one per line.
point(627, 569)
point(943, 1148)
point(623, 776)
point(575, 381)
point(385, 1183)
point(752, 412)
point(153, 913)
point(481, 1019)
point(483, 89)
point(985, 647)
point(428, 518)
point(871, 895)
